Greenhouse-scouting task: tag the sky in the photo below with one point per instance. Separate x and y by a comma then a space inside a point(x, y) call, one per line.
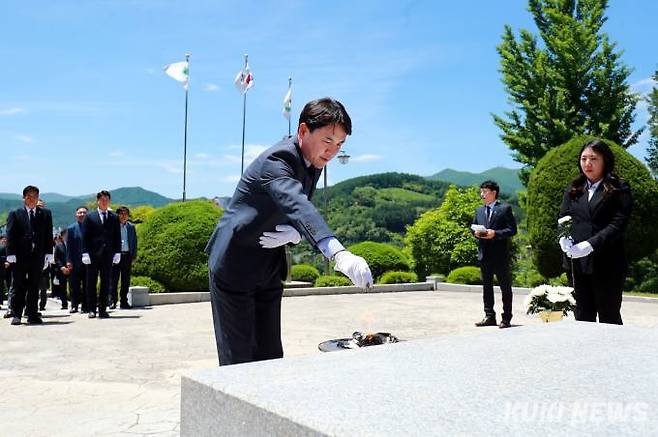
point(85, 104)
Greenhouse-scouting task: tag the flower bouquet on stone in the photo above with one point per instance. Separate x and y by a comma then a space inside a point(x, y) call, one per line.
point(546, 299)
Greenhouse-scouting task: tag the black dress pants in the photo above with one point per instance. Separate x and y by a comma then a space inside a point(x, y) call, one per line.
point(247, 323)
point(26, 280)
point(121, 271)
point(102, 267)
point(502, 272)
point(78, 286)
point(599, 294)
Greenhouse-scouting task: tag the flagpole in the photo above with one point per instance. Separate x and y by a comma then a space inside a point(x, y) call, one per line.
point(187, 86)
point(289, 115)
point(244, 113)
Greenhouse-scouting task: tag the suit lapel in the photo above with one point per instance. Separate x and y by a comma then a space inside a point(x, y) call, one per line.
point(596, 199)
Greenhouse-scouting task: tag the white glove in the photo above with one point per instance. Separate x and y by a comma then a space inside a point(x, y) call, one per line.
point(566, 244)
point(354, 267)
point(580, 250)
point(284, 234)
point(116, 259)
point(11, 259)
point(47, 259)
point(85, 259)
point(478, 228)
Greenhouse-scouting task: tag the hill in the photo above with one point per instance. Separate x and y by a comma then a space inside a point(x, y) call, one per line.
point(63, 206)
point(507, 178)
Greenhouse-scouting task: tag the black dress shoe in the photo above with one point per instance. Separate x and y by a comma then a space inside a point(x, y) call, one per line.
point(34, 321)
point(91, 315)
point(8, 315)
point(126, 306)
point(73, 310)
point(16, 321)
point(113, 306)
point(103, 315)
point(487, 321)
point(65, 307)
point(504, 324)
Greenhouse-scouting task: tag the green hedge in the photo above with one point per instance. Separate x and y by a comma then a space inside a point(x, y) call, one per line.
point(398, 278)
point(144, 281)
point(171, 243)
point(465, 275)
point(381, 257)
point(546, 187)
point(304, 272)
point(332, 281)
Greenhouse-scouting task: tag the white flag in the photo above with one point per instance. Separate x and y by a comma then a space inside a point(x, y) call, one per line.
point(287, 104)
point(244, 80)
point(179, 71)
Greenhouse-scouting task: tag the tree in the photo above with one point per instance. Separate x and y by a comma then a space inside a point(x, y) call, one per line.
point(652, 150)
point(546, 189)
point(440, 240)
point(573, 84)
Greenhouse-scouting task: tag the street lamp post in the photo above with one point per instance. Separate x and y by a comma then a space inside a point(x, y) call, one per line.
point(343, 158)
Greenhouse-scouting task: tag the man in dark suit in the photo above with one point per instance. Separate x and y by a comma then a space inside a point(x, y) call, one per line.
point(60, 269)
point(101, 248)
point(128, 256)
point(29, 250)
point(3, 268)
point(78, 276)
point(493, 226)
point(271, 207)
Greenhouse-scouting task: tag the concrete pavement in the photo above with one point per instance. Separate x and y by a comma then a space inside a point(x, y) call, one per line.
point(75, 376)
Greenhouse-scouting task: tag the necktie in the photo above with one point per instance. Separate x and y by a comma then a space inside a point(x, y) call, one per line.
point(104, 214)
point(31, 215)
point(488, 214)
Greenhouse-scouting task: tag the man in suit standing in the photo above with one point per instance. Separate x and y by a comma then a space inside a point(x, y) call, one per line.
point(3, 268)
point(78, 276)
point(60, 269)
point(271, 207)
point(101, 248)
point(29, 250)
point(128, 256)
point(493, 226)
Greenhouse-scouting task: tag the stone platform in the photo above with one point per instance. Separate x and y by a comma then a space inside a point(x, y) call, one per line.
point(565, 378)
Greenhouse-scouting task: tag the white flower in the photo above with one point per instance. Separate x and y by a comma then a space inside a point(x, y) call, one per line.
point(557, 297)
point(563, 220)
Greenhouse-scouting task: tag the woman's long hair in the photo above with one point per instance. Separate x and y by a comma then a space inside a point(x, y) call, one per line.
point(610, 181)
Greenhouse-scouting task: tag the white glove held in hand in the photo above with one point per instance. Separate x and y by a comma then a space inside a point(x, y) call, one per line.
point(116, 259)
point(85, 259)
point(580, 250)
point(47, 259)
point(566, 244)
point(284, 234)
point(11, 259)
point(354, 267)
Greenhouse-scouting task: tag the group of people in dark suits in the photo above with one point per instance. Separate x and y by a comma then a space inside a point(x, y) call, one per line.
point(599, 204)
point(101, 243)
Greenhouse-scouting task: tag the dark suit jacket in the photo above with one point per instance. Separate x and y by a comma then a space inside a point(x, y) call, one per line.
point(101, 240)
point(74, 244)
point(24, 238)
point(60, 261)
point(275, 189)
point(497, 250)
point(132, 238)
point(602, 222)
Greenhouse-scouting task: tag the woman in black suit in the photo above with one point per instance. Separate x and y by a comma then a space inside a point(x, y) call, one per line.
point(600, 204)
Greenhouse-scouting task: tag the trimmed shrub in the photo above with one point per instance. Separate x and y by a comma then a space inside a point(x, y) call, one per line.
point(546, 187)
point(398, 278)
point(381, 257)
point(171, 245)
point(465, 275)
point(332, 281)
point(144, 281)
point(304, 272)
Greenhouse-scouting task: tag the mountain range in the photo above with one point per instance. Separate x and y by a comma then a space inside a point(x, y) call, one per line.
point(63, 206)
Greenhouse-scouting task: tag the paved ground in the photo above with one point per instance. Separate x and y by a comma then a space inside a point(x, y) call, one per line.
point(78, 377)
